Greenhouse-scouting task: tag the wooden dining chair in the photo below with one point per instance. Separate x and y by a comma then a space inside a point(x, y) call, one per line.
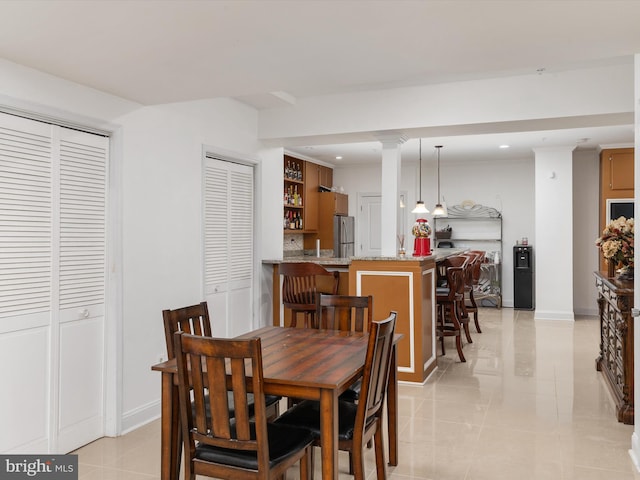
point(194, 320)
point(221, 445)
point(344, 312)
point(361, 422)
point(300, 287)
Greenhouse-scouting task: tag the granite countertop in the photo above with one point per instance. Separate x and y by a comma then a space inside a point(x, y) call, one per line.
point(436, 254)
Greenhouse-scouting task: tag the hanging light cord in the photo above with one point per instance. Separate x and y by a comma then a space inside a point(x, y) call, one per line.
point(438, 147)
point(420, 175)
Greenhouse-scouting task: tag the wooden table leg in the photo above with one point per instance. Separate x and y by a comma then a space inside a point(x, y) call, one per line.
point(392, 408)
point(170, 435)
point(329, 434)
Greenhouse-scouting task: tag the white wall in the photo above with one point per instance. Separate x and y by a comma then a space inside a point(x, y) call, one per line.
point(161, 223)
point(554, 233)
point(586, 208)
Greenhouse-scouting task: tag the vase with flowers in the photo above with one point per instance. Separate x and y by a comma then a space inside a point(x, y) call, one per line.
point(616, 244)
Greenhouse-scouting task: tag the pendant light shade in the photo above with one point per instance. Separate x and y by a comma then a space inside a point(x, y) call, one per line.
point(441, 208)
point(420, 208)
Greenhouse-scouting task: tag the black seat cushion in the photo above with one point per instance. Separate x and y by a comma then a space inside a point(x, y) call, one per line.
point(442, 290)
point(307, 414)
point(283, 441)
point(352, 394)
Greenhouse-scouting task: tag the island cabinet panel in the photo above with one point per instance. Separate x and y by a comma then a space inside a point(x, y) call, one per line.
point(615, 361)
point(407, 287)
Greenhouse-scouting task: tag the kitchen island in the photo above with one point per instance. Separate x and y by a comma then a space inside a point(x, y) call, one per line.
point(403, 284)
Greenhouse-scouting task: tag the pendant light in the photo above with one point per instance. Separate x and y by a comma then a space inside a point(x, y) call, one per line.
point(420, 208)
point(441, 208)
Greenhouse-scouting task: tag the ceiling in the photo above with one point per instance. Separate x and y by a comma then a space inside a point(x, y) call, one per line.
point(270, 53)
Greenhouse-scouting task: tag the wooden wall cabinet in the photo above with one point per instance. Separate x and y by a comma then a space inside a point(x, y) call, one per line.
point(326, 176)
point(330, 204)
point(615, 301)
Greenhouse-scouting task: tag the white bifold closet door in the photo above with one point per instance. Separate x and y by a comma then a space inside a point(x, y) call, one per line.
point(228, 246)
point(52, 285)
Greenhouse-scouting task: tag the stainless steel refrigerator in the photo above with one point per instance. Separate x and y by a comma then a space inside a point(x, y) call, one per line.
point(343, 236)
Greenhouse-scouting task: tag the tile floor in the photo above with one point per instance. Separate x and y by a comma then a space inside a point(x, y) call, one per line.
point(528, 405)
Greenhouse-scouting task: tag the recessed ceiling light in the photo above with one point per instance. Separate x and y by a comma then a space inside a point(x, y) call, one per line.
point(503, 146)
point(339, 157)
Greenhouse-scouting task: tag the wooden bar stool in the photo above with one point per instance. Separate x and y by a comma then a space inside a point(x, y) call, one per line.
point(463, 262)
point(449, 300)
point(476, 257)
point(299, 290)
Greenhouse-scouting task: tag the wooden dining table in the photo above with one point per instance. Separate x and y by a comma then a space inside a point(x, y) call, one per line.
point(301, 363)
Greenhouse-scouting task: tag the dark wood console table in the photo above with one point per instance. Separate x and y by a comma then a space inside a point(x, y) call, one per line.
point(615, 301)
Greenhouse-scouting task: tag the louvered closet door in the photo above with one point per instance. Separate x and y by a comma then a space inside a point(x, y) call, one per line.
point(228, 246)
point(52, 283)
point(25, 284)
point(81, 275)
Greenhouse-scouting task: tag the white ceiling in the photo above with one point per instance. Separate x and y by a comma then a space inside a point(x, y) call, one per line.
point(266, 53)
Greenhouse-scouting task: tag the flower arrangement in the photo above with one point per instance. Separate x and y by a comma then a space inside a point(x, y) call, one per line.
point(616, 242)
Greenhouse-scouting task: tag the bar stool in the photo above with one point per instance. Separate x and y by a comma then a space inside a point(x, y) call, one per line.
point(299, 289)
point(463, 262)
point(449, 300)
point(472, 278)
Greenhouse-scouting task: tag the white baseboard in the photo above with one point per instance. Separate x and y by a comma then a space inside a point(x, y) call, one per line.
point(551, 315)
point(140, 416)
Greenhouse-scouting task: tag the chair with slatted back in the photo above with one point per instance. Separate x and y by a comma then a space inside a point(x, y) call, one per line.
point(226, 445)
point(361, 422)
point(194, 319)
point(300, 288)
point(344, 312)
point(347, 313)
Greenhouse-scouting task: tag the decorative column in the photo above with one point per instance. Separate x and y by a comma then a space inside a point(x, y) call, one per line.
point(554, 233)
point(390, 186)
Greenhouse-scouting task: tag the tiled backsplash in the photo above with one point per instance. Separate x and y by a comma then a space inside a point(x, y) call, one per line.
point(293, 243)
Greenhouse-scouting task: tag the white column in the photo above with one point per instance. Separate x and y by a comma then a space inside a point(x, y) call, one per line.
point(390, 187)
point(635, 437)
point(554, 233)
